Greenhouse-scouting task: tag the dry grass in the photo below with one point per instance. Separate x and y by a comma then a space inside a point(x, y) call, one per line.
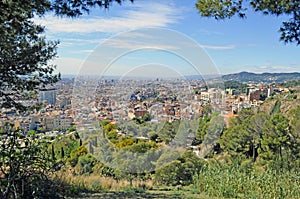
point(97, 183)
point(95, 186)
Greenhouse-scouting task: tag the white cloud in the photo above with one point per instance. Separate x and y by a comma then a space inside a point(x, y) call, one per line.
point(143, 15)
point(87, 51)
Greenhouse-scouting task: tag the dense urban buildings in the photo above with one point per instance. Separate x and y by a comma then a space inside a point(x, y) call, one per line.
point(85, 101)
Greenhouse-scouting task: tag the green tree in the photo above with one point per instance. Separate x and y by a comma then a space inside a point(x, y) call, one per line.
point(236, 141)
point(103, 123)
point(75, 154)
point(295, 121)
point(276, 108)
point(221, 9)
point(146, 117)
point(109, 127)
point(207, 110)
point(86, 163)
point(25, 54)
point(169, 131)
point(255, 130)
point(135, 161)
point(202, 128)
point(72, 128)
point(154, 136)
point(245, 114)
point(52, 152)
point(141, 147)
point(236, 85)
point(62, 153)
point(214, 131)
point(209, 131)
point(276, 139)
point(294, 114)
point(179, 171)
point(244, 135)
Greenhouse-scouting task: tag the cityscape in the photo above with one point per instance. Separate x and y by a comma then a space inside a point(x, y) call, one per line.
point(149, 99)
point(83, 102)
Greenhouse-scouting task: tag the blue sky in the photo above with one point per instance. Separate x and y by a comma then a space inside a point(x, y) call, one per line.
point(227, 46)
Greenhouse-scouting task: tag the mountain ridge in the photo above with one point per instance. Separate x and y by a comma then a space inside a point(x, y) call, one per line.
point(261, 77)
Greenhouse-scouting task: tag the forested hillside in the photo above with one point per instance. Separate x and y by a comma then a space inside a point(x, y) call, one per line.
point(263, 77)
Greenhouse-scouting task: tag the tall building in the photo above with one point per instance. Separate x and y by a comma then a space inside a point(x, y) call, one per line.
point(48, 95)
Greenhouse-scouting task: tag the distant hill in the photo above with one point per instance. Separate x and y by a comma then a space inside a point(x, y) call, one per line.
point(263, 77)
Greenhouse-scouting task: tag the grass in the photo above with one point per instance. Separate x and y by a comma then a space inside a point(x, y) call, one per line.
point(97, 183)
point(155, 193)
point(94, 186)
point(235, 182)
point(214, 181)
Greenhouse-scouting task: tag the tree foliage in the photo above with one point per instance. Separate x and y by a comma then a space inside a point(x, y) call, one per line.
point(221, 9)
point(272, 140)
point(25, 165)
point(236, 85)
point(24, 53)
point(179, 171)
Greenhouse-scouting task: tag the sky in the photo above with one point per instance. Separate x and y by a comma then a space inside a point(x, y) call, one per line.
point(168, 37)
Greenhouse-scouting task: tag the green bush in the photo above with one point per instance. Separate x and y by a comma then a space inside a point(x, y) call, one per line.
point(75, 154)
point(86, 163)
point(180, 171)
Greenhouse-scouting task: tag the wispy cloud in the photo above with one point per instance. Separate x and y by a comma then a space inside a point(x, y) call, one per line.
point(274, 69)
point(87, 51)
point(226, 47)
point(144, 38)
point(209, 32)
point(139, 44)
point(270, 68)
point(143, 15)
point(79, 42)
